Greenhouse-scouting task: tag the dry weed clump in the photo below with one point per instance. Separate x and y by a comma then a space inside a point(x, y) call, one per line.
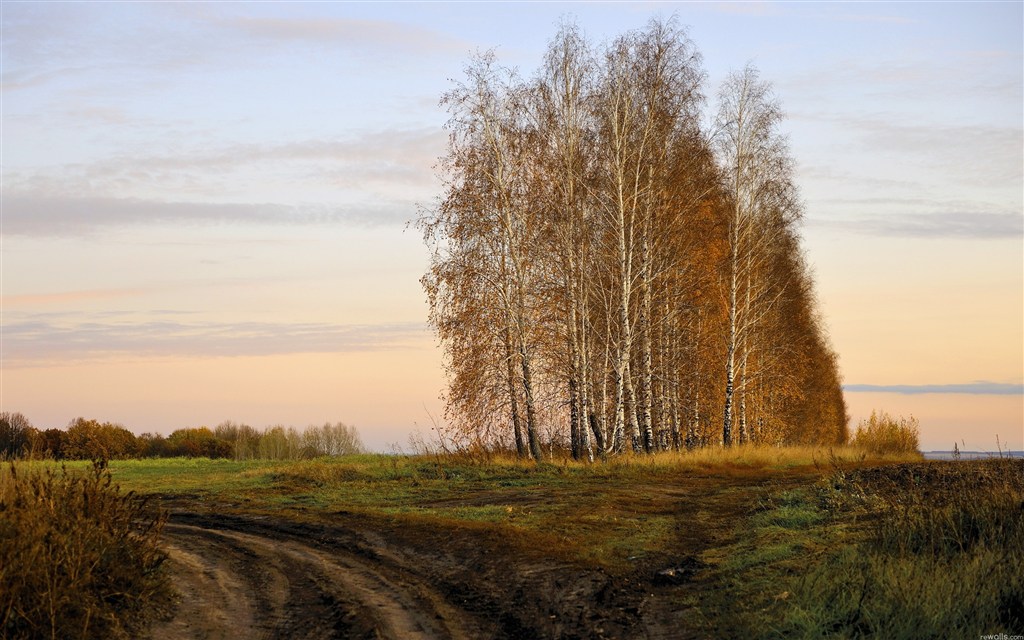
point(78, 557)
point(883, 433)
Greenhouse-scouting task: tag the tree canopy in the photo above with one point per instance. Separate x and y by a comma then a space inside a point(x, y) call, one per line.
point(608, 273)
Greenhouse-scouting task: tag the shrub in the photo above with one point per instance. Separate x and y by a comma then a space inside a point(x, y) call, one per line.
point(882, 433)
point(154, 445)
point(78, 558)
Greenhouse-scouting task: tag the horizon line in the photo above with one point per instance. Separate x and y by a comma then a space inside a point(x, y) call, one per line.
point(972, 388)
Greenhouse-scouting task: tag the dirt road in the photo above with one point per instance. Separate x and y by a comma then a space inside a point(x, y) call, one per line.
point(240, 578)
point(341, 575)
point(253, 577)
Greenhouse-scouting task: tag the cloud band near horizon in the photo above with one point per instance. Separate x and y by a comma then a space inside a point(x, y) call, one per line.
point(973, 388)
point(42, 342)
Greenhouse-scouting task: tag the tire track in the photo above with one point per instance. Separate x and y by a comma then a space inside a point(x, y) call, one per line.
point(264, 585)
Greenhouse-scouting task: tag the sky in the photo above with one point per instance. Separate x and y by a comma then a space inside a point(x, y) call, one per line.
point(204, 206)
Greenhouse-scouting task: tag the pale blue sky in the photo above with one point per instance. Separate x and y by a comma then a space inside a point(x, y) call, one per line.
point(196, 187)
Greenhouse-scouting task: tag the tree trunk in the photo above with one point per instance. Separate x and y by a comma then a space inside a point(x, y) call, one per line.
point(727, 422)
point(533, 437)
point(517, 427)
point(644, 322)
point(636, 438)
point(586, 411)
point(574, 418)
point(743, 401)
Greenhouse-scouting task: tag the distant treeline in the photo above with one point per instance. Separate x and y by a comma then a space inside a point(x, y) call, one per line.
point(86, 439)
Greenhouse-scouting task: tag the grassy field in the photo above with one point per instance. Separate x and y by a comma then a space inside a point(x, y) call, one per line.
point(759, 542)
point(606, 513)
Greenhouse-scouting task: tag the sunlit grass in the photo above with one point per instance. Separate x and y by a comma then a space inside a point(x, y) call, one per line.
point(882, 433)
point(603, 512)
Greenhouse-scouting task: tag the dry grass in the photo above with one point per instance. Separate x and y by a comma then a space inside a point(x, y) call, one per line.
point(941, 554)
point(78, 557)
point(706, 458)
point(884, 434)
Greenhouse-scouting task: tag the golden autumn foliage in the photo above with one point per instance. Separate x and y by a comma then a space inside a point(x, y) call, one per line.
point(610, 274)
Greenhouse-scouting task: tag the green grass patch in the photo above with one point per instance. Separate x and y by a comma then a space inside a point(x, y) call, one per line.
point(788, 511)
point(940, 558)
point(904, 551)
point(611, 514)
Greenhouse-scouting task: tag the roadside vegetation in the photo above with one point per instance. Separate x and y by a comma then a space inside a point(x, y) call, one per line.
point(940, 554)
point(79, 558)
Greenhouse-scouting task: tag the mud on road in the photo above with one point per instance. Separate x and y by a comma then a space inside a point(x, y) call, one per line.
point(266, 585)
point(243, 575)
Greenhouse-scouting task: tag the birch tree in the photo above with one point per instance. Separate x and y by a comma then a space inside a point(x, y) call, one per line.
point(763, 208)
point(597, 256)
point(480, 281)
point(649, 90)
point(559, 109)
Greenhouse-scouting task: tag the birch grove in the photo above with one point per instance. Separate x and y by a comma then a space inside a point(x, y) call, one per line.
point(609, 275)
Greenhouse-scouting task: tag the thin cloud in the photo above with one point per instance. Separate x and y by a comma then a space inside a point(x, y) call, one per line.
point(978, 155)
point(398, 146)
point(187, 37)
point(867, 184)
point(975, 226)
point(758, 8)
point(401, 157)
point(52, 40)
point(975, 154)
point(973, 388)
point(26, 79)
point(70, 216)
point(873, 18)
point(377, 166)
point(911, 78)
point(349, 33)
point(47, 340)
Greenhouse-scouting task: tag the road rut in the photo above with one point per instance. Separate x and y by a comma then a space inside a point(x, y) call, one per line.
point(267, 584)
